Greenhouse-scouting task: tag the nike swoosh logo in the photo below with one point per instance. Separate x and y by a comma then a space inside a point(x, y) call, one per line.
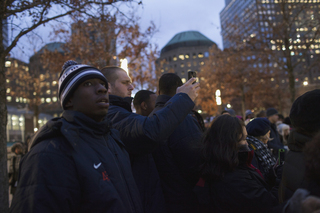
point(97, 166)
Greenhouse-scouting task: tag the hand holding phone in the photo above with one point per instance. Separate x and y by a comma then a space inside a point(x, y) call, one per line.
point(192, 74)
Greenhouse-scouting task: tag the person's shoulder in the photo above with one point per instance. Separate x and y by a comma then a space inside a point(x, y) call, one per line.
point(57, 145)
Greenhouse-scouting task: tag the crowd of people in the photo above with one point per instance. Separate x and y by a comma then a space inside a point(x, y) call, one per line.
point(100, 156)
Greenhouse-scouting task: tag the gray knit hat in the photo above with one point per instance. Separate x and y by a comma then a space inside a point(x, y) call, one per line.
point(72, 75)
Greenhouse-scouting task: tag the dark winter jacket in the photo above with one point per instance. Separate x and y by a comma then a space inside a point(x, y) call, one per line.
point(242, 190)
point(76, 165)
point(177, 161)
point(142, 135)
point(275, 143)
point(293, 176)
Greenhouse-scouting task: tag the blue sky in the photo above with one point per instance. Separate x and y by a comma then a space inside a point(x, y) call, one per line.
point(170, 17)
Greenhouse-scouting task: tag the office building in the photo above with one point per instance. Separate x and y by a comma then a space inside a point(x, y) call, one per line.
point(186, 51)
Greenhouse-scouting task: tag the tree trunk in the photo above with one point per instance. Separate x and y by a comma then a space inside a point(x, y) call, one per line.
point(4, 186)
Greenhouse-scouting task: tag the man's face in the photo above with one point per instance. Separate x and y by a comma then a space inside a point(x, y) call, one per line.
point(122, 86)
point(90, 98)
point(273, 118)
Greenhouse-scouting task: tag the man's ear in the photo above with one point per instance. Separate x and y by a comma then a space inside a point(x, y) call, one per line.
point(69, 104)
point(109, 88)
point(143, 105)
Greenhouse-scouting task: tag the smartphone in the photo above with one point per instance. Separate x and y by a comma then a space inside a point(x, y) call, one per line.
point(192, 74)
point(281, 156)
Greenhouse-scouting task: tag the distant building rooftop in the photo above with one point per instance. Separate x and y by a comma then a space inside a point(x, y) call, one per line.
point(187, 39)
point(53, 47)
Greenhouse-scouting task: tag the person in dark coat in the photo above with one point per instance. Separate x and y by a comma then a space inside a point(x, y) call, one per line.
point(18, 151)
point(142, 134)
point(258, 136)
point(305, 120)
point(229, 182)
point(144, 102)
point(274, 144)
point(77, 162)
point(177, 159)
point(308, 199)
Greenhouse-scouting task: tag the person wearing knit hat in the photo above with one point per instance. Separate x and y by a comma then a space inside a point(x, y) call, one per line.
point(275, 144)
point(77, 162)
point(258, 136)
point(249, 116)
point(305, 120)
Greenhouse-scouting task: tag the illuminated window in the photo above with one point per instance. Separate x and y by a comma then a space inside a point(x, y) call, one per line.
point(162, 70)
point(24, 100)
point(54, 92)
point(48, 100)
point(41, 77)
point(42, 100)
point(48, 92)
point(182, 72)
point(174, 58)
point(54, 83)
point(182, 65)
point(189, 64)
point(181, 57)
point(17, 99)
point(200, 55)
point(201, 63)
point(54, 99)
point(8, 90)
point(272, 79)
point(7, 80)
point(183, 80)
point(187, 56)
point(8, 64)
point(9, 98)
point(194, 55)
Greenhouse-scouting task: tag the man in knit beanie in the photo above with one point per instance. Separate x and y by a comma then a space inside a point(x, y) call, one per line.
point(77, 163)
point(305, 119)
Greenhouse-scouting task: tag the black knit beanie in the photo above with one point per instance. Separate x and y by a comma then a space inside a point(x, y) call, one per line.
point(271, 111)
point(258, 127)
point(304, 113)
point(72, 75)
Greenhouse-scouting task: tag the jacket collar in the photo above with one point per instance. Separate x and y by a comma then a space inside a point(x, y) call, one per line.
point(85, 123)
point(121, 102)
point(297, 141)
point(162, 100)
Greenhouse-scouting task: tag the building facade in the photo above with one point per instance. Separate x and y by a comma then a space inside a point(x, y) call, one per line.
point(289, 28)
point(186, 51)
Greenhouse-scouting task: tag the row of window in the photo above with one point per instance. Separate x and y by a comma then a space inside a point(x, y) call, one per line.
point(25, 100)
point(188, 56)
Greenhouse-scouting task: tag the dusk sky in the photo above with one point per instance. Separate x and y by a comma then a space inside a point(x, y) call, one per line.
point(170, 17)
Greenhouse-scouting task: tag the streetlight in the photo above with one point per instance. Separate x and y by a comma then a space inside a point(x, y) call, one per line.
point(124, 65)
point(305, 83)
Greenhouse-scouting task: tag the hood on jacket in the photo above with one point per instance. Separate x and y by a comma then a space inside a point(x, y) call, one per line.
point(297, 141)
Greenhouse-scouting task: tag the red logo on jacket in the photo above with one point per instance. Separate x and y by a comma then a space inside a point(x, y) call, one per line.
point(105, 176)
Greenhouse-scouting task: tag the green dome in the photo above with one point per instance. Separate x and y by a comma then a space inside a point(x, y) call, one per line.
point(52, 47)
point(187, 39)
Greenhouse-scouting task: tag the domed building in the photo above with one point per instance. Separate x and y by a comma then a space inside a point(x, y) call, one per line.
point(185, 52)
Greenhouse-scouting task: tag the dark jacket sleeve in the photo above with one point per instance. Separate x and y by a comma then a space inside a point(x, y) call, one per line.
point(47, 182)
point(184, 144)
point(141, 134)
